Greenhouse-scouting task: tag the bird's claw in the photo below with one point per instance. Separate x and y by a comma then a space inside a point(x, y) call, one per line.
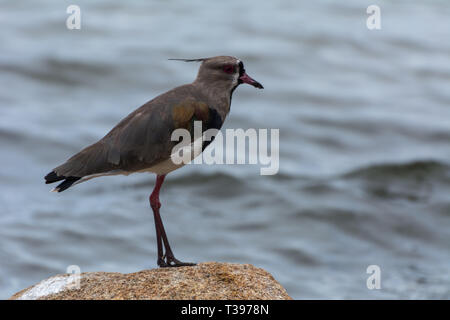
point(170, 261)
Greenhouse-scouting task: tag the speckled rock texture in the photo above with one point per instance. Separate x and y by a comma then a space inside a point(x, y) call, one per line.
point(210, 280)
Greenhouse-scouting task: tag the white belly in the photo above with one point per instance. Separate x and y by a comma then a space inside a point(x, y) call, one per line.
point(175, 161)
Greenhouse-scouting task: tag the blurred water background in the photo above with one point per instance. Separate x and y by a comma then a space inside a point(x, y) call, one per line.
point(364, 123)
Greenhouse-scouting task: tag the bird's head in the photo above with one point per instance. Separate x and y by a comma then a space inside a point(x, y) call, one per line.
point(223, 71)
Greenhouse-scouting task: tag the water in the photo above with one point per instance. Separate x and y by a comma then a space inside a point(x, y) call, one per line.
point(364, 125)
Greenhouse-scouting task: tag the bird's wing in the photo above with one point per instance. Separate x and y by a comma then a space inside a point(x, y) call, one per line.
point(143, 138)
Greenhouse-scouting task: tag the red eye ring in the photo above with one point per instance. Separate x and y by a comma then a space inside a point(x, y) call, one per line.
point(228, 69)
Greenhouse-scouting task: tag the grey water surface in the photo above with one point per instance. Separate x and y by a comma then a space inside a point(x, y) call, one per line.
point(364, 120)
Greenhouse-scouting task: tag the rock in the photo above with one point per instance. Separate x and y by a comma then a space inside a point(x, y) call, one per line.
point(210, 280)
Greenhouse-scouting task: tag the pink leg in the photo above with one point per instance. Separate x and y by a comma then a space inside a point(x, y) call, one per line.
point(167, 259)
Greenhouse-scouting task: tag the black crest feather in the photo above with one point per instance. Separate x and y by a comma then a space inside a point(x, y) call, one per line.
point(189, 60)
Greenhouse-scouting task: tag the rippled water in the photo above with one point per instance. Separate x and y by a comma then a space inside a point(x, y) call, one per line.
point(364, 123)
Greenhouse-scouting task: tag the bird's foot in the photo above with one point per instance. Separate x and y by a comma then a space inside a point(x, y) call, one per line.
point(170, 261)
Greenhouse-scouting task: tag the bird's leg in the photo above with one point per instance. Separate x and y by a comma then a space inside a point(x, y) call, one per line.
point(158, 238)
point(155, 205)
point(168, 259)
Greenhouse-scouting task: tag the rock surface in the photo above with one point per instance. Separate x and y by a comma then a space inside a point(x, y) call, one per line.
point(210, 280)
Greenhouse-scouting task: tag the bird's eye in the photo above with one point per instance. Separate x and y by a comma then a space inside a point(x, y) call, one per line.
point(228, 68)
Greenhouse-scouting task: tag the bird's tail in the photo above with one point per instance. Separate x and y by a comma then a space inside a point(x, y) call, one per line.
point(67, 183)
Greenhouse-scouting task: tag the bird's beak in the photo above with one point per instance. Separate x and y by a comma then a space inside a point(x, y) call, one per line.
point(245, 78)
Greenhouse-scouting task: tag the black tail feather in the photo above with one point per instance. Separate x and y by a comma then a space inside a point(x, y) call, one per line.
point(53, 177)
point(68, 181)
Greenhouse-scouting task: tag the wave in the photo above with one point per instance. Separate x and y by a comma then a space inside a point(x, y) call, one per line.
point(411, 170)
point(418, 181)
point(53, 70)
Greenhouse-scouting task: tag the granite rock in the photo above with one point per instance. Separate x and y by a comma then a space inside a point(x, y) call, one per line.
point(210, 280)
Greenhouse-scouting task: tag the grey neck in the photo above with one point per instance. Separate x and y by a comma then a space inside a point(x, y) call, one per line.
point(218, 95)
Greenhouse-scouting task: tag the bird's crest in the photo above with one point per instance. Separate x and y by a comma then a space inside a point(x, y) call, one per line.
point(189, 60)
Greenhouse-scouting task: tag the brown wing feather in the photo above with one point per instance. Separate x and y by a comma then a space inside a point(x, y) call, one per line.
point(142, 139)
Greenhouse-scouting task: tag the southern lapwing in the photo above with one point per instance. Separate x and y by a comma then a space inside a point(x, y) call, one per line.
point(142, 142)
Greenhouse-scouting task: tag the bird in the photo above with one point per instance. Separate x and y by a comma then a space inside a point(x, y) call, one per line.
point(141, 142)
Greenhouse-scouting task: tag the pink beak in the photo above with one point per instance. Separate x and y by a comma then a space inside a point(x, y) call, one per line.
point(245, 78)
